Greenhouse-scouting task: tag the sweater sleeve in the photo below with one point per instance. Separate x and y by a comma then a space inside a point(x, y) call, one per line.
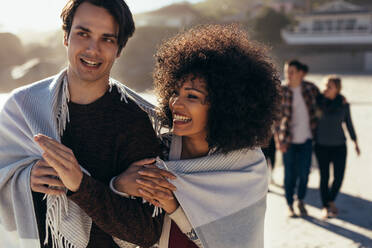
point(124, 218)
point(179, 217)
point(349, 123)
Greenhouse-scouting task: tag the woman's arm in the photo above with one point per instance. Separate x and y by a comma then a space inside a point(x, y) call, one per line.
point(350, 127)
point(179, 217)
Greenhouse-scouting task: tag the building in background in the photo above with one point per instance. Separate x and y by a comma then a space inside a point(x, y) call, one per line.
point(342, 29)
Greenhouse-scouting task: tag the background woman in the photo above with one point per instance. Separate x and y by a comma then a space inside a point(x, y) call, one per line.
point(330, 142)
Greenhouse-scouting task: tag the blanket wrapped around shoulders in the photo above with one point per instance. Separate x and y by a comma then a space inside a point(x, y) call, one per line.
point(39, 108)
point(223, 196)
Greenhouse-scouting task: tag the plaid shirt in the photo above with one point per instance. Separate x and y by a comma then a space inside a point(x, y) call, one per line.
point(310, 93)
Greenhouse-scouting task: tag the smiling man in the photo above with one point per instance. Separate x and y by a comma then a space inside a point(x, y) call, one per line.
point(93, 128)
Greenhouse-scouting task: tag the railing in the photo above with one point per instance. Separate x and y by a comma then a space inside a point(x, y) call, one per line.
point(329, 31)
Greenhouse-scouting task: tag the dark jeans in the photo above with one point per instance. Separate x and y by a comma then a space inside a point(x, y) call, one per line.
point(297, 162)
point(269, 152)
point(327, 155)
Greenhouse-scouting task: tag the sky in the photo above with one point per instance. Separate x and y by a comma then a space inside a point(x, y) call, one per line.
point(43, 15)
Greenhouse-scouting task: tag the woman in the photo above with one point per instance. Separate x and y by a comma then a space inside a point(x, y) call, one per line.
point(219, 94)
point(330, 142)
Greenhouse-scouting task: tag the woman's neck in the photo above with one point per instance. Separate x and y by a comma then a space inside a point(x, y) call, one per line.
point(194, 147)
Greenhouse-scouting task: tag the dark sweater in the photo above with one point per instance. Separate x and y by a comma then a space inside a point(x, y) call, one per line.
point(106, 136)
point(332, 114)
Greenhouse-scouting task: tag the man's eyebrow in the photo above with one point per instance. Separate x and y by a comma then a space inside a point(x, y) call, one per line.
point(83, 28)
point(88, 31)
point(110, 36)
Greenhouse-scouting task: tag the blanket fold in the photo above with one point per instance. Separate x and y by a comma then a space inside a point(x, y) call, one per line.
point(223, 196)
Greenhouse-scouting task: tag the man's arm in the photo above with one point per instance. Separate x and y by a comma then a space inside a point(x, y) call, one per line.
point(123, 218)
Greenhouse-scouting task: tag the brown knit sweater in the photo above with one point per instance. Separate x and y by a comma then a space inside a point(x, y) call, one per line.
point(106, 136)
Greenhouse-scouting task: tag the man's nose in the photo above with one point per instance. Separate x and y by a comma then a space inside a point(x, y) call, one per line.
point(93, 47)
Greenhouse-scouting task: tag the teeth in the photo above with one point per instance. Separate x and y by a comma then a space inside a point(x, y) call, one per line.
point(177, 117)
point(90, 62)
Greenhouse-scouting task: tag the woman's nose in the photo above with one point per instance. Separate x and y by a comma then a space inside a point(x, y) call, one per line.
point(177, 102)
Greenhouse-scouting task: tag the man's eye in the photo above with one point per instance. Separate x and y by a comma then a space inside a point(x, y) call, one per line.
point(109, 40)
point(82, 34)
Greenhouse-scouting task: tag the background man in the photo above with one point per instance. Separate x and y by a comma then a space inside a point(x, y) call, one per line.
point(295, 132)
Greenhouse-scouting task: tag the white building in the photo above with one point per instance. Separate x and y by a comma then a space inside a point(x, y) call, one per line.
point(336, 37)
point(337, 22)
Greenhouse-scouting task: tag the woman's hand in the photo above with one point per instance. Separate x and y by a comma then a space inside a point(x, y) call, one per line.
point(158, 199)
point(357, 150)
point(131, 180)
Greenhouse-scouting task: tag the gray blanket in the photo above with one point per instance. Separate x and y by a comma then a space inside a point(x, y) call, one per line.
point(223, 196)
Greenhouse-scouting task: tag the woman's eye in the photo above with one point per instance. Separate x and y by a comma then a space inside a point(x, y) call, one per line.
point(192, 96)
point(175, 93)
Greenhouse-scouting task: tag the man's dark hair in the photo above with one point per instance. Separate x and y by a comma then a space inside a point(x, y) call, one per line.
point(117, 8)
point(295, 63)
point(304, 68)
point(241, 81)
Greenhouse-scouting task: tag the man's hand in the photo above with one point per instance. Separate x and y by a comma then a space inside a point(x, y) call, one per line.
point(63, 161)
point(43, 176)
point(283, 148)
point(133, 179)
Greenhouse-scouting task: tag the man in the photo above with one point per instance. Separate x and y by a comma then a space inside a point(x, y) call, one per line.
point(295, 131)
point(79, 120)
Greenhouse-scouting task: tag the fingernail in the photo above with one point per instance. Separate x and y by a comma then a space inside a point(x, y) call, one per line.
point(139, 181)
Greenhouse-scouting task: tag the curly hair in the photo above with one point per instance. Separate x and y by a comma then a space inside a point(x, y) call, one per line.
point(242, 83)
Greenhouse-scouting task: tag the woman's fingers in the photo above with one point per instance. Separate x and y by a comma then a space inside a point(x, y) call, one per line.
point(146, 161)
point(156, 172)
point(156, 183)
point(158, 193)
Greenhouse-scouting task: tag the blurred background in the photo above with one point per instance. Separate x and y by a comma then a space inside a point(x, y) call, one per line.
point(330, 36)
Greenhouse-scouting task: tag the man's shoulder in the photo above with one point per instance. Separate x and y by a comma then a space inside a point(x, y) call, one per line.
point(309, 85)
point(36, 86)
point(125, 104)
point(130, 98)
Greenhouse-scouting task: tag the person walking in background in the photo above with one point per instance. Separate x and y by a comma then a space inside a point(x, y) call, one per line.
point(330, 146)
point(294, 133)
point(269, 152)
point(304, 69)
